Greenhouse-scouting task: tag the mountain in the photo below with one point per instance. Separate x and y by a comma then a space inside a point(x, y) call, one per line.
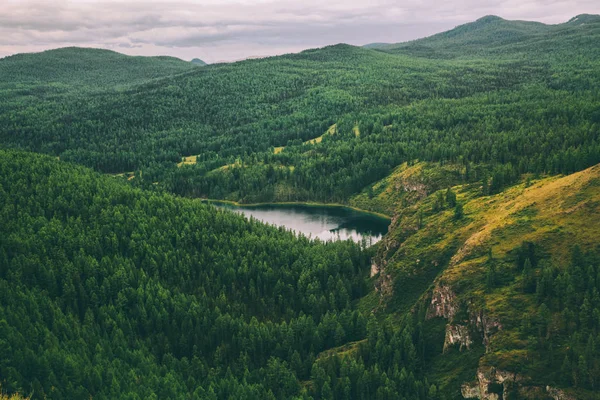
point(481, 143)
point(198, 61)
point(84, 66)
point(492, 36)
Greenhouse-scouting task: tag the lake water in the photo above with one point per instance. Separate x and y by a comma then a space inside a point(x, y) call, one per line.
point(323, 222)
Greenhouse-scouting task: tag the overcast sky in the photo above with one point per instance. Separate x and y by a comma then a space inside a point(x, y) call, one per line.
point(215, 30)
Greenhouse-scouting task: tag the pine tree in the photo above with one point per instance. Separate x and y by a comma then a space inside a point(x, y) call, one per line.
point(458, 211)
point(582, 373)
point(491, 270)
point(450, 198)
point(566, 371)
point(528, 279)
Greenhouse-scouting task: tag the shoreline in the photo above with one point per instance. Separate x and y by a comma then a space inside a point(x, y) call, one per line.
point(298, 203)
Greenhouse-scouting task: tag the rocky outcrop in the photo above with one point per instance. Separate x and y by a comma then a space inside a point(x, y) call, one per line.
point(484, 324)
point(457, 335)
point(558, 394)
point(384, 287)
point(492, 384)
point(470, 390)
point(443, 303)
point(374, 269)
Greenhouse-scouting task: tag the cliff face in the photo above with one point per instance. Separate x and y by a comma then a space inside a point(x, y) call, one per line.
point(443, 303)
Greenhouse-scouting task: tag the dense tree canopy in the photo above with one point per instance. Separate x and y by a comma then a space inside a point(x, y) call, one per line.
point(108, 291)
point(505, 112)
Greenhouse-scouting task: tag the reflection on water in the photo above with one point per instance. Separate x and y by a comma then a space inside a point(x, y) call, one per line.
point(323, 222)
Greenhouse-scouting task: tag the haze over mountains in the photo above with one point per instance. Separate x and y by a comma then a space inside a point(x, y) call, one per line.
point(482, 144)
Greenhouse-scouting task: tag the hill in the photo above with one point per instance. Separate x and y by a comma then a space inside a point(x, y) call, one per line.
point(494, 278)
point(101, 281)
point(198, 61)
point(492, 36)
point(84, 66)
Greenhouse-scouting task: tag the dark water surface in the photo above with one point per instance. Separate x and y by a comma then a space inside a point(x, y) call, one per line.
point(323, 222)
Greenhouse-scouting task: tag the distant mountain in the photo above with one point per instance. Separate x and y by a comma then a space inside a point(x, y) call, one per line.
point(492, 35)
point(197, 61)
point(84, 66)
point(376, 45)
point(240, 59)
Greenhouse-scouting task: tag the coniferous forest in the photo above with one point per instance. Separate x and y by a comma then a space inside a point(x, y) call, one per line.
point(482, 144)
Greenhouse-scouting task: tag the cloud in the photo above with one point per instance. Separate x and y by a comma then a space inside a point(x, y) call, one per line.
point(233, 29)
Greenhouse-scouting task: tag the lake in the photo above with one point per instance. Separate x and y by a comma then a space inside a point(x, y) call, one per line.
point(318, 221)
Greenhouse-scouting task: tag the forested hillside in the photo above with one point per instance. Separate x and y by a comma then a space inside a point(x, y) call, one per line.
point(510, 279)
point(72, 66)
point(482, 143)
point(246, 127)
point(108, 291)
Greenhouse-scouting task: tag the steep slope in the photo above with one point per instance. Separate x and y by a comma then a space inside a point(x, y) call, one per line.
point(84, 66)
point(501, 277)
point(497, 37)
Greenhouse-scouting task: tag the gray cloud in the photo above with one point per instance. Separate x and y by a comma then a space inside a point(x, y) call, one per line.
point(234, 29)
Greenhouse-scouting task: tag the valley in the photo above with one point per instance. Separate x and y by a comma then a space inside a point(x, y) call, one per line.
point(419, 220)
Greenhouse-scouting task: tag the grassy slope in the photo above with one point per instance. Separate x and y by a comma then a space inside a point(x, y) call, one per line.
point(406, 185)
point(553, 212)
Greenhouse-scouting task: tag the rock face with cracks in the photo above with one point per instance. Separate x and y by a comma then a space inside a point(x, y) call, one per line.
point(457, 335)
point(443, 303)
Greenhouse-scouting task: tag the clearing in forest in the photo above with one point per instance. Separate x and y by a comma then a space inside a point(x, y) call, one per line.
point(190, 160)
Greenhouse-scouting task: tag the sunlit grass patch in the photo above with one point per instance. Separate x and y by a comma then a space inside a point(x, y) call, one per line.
point(190, 160)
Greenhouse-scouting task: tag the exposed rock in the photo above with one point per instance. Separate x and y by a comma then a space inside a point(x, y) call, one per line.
point(457, 334)
point(443, 303)
point(384, 287)
point(374, 269)
point(414, 186)
point(558, 394)
point(484, 324)
point(470, 390)
point(495, 384)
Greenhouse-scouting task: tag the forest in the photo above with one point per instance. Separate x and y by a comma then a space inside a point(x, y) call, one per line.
point(504, 113)
point(109, 291)
point(482, 143)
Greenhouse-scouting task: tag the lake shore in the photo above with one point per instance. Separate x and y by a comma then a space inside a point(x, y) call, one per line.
point(299, 203)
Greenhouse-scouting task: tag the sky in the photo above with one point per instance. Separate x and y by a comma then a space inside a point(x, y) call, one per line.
point(229, 30)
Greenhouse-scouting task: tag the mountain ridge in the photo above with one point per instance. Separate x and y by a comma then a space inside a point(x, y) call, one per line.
point(488, 35)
